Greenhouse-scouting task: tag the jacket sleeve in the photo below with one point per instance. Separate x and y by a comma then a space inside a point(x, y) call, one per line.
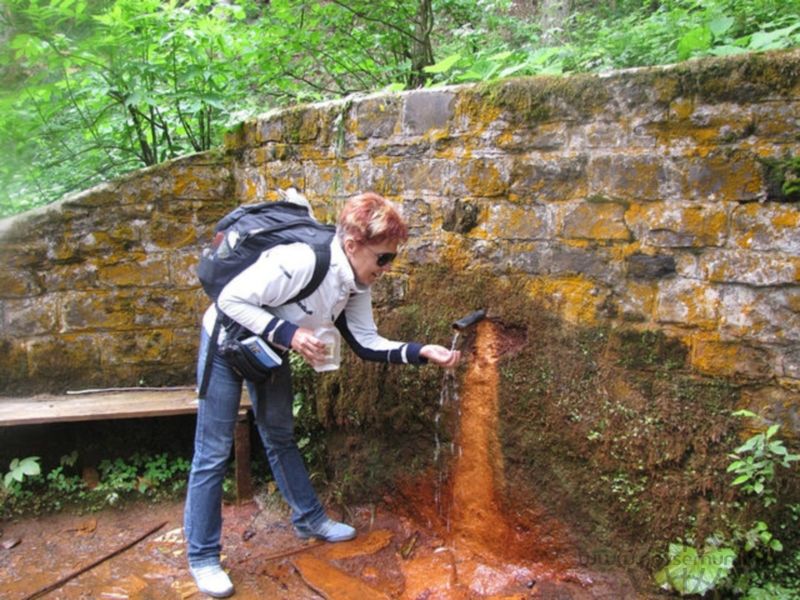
point(276, 277)
point(357, 326)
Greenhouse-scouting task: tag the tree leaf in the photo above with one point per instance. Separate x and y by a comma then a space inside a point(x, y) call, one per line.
point(443, 65)
point(720, 26)
point(693, 41)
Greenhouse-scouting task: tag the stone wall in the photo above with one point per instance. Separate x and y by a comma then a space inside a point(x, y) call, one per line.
point(646, 198)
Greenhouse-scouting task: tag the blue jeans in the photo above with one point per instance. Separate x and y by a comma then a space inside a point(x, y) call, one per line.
point(216, 419)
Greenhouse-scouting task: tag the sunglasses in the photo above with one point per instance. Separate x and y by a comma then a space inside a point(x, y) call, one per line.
point(382, 258)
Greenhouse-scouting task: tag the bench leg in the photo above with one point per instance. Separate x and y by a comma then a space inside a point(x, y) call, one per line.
point(244, 482)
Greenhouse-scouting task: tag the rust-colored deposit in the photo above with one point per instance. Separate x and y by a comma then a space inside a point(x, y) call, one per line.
point(476, 514)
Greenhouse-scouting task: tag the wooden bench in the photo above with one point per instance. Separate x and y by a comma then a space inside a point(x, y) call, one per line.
point(128, 403)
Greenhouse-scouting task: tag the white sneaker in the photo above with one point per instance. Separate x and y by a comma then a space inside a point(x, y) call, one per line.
point(212, 580)
point(328, 530)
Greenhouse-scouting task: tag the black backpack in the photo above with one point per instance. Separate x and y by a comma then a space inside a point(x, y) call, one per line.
point(239, 239)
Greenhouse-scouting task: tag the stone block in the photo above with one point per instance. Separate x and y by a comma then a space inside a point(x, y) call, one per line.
point(544, 137)
point(13, 364)
point(327, 181)
point(554, 179)
point(527, 257)
point(777, 122)
point(250, 185)
point(165, 232)
point(507, 221)
point(687, 302)
point(377, 117)
point(678, 224)
point(482, 177)
point(790, 363)
point(591, 262)
point(183, 268)
point(18, 283)
point(719, 177)
point(166, 308)
point(621, 176)
point(768, 315)
point(61, 363)
point(89, 311)
point(149, 271)
point(636, 301)
point(576, 299)
point(643, 266)
point(729, 359)
point(132, 348)
point(769, 227)
point(595, 221)
point(268, 128)
point(31, 316)
point(69, 277)
point(750, 268)
point(201, 181)
point(427, 110)
point(417, 176)
point(282, 175)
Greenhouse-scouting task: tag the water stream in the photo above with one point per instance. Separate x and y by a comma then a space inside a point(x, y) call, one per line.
point(448, 398)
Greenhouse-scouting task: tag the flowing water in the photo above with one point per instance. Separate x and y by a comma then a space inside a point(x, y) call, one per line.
point(448, 399)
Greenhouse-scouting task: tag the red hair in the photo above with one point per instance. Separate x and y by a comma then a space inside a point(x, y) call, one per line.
point(371, 218)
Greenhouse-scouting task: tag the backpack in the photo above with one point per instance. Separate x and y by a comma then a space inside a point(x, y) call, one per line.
point(242, 235)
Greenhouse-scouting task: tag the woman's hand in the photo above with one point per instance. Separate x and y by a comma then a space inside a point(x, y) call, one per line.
point(308, 346)
point(440, 355)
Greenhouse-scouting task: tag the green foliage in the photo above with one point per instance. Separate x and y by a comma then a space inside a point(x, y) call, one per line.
point(783, 178)
point(18, 470)
point(308, 430)
point(690, 572)
point(753, 548)
point(755, 462)
point(91, 90)
point(139, 476)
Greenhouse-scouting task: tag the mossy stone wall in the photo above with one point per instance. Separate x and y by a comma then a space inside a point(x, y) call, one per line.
point(647, 199)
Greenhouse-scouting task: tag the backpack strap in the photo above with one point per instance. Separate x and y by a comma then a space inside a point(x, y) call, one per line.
point(210, 351)
point(322, 262)
point(322, 257)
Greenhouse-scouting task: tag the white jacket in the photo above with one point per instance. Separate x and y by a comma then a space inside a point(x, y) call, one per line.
point(256, 298)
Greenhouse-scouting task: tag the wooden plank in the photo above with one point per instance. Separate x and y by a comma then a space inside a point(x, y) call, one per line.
point(97, 406)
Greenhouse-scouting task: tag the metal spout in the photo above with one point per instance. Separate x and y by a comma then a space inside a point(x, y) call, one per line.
point(469, 320)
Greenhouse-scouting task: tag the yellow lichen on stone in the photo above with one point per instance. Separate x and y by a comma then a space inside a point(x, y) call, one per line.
point(682, 108)
point(786, 220)
point(712, 356)
point(483, 178)
point(574, 299)
point(455, 252)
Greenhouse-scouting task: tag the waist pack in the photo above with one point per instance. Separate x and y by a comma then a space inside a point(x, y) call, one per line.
point(240, 237)
point(251, 358)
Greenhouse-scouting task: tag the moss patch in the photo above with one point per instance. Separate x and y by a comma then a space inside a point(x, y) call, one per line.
point(535, 100)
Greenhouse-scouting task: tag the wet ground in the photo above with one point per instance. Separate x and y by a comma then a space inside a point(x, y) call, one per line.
point(393, 557)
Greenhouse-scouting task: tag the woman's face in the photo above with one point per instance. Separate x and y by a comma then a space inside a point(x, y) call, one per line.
point(370, 260)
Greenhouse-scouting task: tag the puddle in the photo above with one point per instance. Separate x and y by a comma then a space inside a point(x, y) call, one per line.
point(447, 537)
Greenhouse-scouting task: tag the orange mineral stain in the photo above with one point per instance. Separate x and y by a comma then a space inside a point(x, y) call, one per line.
point(476, 516)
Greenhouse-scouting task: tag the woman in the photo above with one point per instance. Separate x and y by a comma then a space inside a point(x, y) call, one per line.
point(366, 242)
